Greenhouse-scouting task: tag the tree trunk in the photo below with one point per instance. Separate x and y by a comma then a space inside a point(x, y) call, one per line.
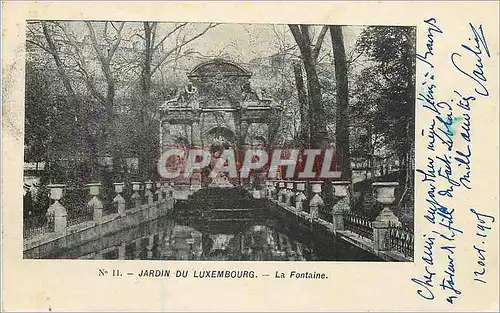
point(146, 152)
point(317, 122)
point(302, 96)
point(342, 118)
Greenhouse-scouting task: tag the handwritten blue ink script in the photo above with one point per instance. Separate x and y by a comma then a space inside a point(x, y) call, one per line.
point(448, 169)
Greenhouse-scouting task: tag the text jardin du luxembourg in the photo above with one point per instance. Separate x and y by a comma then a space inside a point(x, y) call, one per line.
point(227, 274)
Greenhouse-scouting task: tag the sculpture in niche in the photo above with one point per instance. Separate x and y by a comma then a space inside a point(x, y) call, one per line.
point(211, 173)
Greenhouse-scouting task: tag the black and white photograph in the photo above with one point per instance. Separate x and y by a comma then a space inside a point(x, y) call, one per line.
point(218, 141)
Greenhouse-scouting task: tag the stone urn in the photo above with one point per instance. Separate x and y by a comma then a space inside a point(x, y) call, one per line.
point(341, 188)
point(56, 191)
point(119, 187)
point(385, 195)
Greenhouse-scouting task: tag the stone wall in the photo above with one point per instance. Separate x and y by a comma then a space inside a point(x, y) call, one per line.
point(81, 235)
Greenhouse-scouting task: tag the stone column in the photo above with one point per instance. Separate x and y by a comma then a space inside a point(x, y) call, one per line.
point(95, 203)
point(300, 197)
point(119, 200)
point(136, 197)
point(56, 210)
point(316, 200)
point(149, 194)
point(196, 143)
point(340, 190)
point(386, 218)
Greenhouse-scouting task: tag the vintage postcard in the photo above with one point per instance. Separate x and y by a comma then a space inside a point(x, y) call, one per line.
point(251, 156)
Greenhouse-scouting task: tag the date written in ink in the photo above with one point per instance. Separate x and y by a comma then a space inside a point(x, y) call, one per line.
point(483, 226)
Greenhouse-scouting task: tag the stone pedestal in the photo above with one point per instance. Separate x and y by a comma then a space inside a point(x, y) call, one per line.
point(56, 210)
point(316, 200)
point(119, 200)
point(136, 197)
point(95, 203)
point(340, 190)
point(386, 218)
point(148, 193)
point(269, 189)
point(159, 191)
point(300, 197)
point(380, 242)
point(289, 194)
point(196, 180)
point(337, 220)
point(281, 192)
point(169, 191)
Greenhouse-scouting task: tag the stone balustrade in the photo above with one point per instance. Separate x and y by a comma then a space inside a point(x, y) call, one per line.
point(385, 233)
point(57, 214)
point(304, 199)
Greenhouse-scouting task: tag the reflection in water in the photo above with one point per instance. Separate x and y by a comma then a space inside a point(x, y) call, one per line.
point(260, 236)
point(182, 242)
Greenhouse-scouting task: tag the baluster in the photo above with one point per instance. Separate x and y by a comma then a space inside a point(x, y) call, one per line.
point(95, 203)
point(119, 200)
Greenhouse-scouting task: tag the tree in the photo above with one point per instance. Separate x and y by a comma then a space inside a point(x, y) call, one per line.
point(72, 64)
point(391, 51)
point(96, 64)
point(342, 117)
point(309, 55)
point(303, 103)
point(152, 58)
